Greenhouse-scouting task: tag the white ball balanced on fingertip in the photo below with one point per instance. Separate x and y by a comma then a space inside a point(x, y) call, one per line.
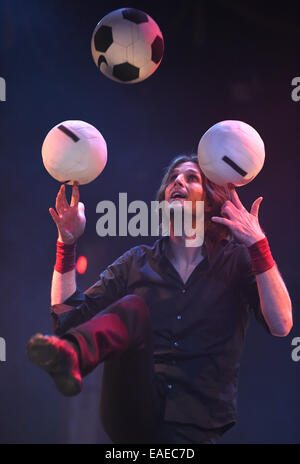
point(74, 151)
point(231, 152)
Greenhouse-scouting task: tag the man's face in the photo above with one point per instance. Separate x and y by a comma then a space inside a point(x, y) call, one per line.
point(185, 184)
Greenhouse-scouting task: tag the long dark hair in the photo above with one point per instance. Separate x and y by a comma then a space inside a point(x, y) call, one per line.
point(215, 197)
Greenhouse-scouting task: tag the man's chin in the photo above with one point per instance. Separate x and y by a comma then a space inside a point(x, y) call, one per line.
point(180, 204)
point(177, 202)
point(176, 207)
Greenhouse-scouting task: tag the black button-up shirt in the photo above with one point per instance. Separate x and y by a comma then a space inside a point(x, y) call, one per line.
point(199, 326)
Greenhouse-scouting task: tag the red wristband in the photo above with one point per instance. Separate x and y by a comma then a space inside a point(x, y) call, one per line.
point(261, 257)
point(65, 257)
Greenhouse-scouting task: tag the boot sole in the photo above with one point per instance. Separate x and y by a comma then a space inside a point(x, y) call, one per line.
point(45, 355)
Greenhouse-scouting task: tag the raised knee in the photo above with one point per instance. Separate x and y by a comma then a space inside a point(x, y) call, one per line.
point(133, 301)
point(136, 304)
point(136, 313)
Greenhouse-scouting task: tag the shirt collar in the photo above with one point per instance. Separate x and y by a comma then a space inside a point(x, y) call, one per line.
point(159, 248)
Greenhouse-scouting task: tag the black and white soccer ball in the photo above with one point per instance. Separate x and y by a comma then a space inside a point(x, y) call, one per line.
point(127, 45)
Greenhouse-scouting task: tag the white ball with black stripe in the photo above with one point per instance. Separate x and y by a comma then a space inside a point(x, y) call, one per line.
point(74, 151)
point(231, 152)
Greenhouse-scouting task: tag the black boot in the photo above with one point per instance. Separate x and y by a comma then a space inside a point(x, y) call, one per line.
point(59, 358)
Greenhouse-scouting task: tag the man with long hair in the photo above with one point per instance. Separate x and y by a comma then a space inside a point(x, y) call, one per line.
point(168, 321)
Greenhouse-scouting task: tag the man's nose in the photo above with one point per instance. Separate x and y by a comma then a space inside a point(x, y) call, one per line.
point(179, 179)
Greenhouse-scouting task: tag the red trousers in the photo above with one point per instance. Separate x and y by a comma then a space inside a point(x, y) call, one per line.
point(132, 397)
point(121, 335)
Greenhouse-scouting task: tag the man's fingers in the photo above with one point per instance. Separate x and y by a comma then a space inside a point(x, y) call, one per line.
point(61, 203)
point(235, 199)
point(255, 206)
point(224, 221)
point(54, 216)
point(228, 210)
point(81, 209)
point(58, 204)
point(75, 194)
point(63, 197)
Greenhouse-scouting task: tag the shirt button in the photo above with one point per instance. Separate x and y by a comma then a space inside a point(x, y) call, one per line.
point(183, 290)
point(179, 317)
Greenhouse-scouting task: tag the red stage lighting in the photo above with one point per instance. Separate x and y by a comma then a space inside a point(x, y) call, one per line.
point(81, 265)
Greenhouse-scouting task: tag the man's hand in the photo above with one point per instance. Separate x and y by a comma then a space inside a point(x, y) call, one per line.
point(244, 225)
point(69, 219)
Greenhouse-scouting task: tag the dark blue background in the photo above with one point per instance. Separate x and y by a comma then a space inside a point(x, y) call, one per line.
point(223, 60)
